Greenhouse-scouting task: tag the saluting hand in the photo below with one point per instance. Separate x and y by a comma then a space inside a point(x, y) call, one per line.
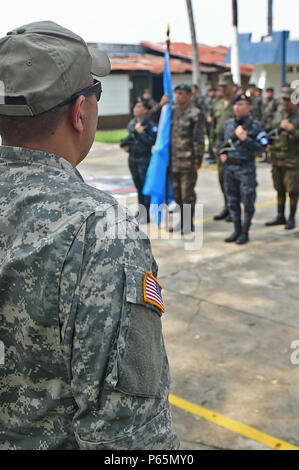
point(139, 128)
point(241, 133)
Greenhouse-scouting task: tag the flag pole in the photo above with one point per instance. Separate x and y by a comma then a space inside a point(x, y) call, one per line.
point(167, 170)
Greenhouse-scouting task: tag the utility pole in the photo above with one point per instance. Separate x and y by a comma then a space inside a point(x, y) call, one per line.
point(196, 75)
point(235, 54)
point(270, 17)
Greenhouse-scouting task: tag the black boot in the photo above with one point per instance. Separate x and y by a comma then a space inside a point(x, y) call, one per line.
point(238, 229)
point(279, 220)
point(222, 215)
point(290, 223)
point(179, 226)
point(293, 207)
point(244, 236)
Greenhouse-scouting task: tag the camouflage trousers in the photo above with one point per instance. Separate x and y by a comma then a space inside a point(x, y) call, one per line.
point(240, 187)
point(285, 180)
point(183, 187)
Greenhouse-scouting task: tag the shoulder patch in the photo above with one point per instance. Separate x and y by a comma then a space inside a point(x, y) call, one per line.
point(152, 291)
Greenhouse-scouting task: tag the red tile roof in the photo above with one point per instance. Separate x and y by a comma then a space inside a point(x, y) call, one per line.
point(153, 64)
point(211, 55)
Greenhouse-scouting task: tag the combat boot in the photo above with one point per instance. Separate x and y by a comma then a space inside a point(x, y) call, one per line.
point(238, 229)
point(291, 221)
point(279, 220)
point(244, 236)
point(222, 215)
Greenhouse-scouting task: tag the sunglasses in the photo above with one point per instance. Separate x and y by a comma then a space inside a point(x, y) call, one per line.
point(95, 89)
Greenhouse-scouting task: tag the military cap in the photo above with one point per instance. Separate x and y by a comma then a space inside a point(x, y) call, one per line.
point(226, 79)
point(251, 85)
point(287, 94)
point(183, 87)
point(43, 64)
point(242, 97)
point(270, 88)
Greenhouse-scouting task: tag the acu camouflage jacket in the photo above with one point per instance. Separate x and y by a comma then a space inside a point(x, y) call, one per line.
point(85, 365)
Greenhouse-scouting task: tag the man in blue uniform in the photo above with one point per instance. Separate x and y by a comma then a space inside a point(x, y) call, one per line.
point(142, 136)
point(241, 138)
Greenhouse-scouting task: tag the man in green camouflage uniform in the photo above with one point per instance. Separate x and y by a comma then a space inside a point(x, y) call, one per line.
point(285, 161)
point(223, 110)
point(269, 109)
point(187, 148)
point(256, 102)
point(85, 365)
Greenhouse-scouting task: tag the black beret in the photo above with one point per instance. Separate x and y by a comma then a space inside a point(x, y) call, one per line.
point(242, 97)
point(183, 87)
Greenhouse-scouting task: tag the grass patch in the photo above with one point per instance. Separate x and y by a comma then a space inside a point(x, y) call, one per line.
point(111, 137)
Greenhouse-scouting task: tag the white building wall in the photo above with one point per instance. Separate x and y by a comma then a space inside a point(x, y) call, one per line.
point(115, 99)
point(266, 75)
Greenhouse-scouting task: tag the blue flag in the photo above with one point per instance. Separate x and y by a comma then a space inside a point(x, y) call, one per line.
point(155, 182)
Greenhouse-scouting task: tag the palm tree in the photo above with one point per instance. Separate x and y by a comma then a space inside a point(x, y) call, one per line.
point(270, 17)
point(196, 75)
point(235, 57)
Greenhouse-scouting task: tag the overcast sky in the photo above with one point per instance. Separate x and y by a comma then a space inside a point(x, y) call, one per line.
point(132, 21)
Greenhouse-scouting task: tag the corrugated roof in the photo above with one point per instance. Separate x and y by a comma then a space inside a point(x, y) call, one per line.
point(154, 64)
point(210, 55)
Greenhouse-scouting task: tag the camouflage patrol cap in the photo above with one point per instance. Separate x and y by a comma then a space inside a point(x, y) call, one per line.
point(183, 87)
point(42, 64)
point(226, 79)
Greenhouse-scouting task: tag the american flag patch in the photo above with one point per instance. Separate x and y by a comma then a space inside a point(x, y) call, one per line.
point(152, 291)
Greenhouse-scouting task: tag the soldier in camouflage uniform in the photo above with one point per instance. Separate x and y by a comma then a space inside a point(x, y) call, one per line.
point(197, 100)
point(245, 137)
point(256, 103)
point(85, 365)
point(223, 110)
point(187, 148)
point(285, 161)
point(269, 109)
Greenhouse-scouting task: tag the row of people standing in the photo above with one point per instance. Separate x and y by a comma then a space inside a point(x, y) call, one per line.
point(192, 116)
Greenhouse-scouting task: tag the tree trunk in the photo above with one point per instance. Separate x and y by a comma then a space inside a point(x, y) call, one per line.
point(270, 17)
point(235, 55)
point(196, 75)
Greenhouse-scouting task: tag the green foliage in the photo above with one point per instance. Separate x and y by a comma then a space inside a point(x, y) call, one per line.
point(111, 137)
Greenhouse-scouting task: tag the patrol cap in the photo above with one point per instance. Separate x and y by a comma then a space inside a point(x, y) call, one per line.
point(226, 79)
point(242, 97)
point(183, 87)
point(287, 93)
point(42, 64)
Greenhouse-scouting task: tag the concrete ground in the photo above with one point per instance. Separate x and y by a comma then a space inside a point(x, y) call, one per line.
point(231, 316)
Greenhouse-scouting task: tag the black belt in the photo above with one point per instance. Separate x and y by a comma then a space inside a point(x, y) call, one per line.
point(237, 161)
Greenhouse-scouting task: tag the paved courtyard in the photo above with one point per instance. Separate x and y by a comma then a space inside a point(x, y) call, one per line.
point(231, 317)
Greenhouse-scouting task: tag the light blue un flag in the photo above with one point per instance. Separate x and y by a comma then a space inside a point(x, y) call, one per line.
point(155, 182)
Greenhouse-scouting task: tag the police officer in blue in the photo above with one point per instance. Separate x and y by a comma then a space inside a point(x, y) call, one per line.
point(141, 138)
point(241, 139)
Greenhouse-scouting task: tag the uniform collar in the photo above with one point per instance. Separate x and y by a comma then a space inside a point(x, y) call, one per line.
point(38, 157)
point(244, 120)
